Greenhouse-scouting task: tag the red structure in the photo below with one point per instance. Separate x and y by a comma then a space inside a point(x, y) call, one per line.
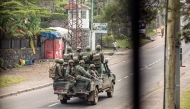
point(54, 48)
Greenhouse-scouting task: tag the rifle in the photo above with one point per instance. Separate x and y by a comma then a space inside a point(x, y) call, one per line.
point(95, 78)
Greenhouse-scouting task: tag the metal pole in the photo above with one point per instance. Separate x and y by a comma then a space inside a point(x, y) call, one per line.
point(101, 42)
point(92, 3)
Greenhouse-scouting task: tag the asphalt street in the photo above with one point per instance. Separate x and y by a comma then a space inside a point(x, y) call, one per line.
point(152, 75)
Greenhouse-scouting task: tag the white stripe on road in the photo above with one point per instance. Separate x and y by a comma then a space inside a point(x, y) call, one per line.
point(126, 77)
point(119, 80)
point(131, 73)
point(53, 104)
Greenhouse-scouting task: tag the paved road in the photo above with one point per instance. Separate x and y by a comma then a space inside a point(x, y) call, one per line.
point(152, 78)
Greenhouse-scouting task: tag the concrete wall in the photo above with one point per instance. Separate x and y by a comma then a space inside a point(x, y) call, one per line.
point(12, 56)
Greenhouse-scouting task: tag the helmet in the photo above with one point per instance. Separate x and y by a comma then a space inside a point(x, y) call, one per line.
point(98, 47)
point(79, 48)
point(92, 65)
point(60, 61)
point(65, 63)
point(81, 61)
point(69, 48)
point(70, 61)
point(88, 48)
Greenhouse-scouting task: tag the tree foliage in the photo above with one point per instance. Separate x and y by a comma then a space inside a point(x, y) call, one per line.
point(59, 13)
point(21, 9)
point(118, 11)
point(185, 32)
point(108, 40)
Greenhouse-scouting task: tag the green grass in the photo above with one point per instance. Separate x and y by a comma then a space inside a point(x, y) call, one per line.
point(6, 81)
point(150, 32)
point(128, 43)
point(143, 41)
point(185, 99)
point(124, 43)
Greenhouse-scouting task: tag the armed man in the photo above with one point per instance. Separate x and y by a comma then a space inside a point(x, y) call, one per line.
point(70, 75)
point(78, 53)
point(87, 57)
point(82, 75)
point(68, 55)
point(58, 73)
point(93, 71)
point(98, 59)
point(65, 64)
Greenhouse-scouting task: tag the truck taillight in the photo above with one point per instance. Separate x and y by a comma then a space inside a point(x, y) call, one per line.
point(59, 90)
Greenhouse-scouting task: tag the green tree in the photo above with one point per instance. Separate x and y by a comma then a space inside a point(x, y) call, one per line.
point(108, 40)
point(20, 18)
point(118, 11)
point(185, 32)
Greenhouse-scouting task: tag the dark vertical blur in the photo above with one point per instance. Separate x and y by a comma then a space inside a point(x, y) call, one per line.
point(135, 15)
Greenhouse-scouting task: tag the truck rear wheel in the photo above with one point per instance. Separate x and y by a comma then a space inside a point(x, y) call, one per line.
point(63, 101)
point(111, 91)
point(95, 97)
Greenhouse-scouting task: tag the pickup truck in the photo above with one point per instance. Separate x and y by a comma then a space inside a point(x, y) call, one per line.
point(105, 83)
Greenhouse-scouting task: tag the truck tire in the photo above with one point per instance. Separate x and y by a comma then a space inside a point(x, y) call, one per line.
point(111, 91)
point(95, 97)
point(63, 101)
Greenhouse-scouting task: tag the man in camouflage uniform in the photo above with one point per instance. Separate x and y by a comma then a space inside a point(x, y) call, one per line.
point(58, 74)
point(79, 53)
point(81, 74)
point(68, 55)
point(87, 57)
point(65, 64)
point(98, 59)
point(70, 75)
point(93, 71)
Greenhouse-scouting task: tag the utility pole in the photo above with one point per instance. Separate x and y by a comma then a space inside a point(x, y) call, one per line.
point(177, 64)
point(91, 26)
point(170, 59)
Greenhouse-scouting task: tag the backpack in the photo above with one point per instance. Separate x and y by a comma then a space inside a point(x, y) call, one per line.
point(52, 70)
point(97, 59)
point(86, 57)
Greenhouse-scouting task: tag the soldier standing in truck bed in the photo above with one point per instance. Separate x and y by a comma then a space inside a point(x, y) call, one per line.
point(79, 53)
point(87, 57)
point(69, 55)
point(98, 59)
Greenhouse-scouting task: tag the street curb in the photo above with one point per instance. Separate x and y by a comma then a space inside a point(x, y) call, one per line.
point(26, 90)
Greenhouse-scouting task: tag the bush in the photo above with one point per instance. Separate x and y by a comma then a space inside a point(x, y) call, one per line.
point(108, 40)
point(122, 36)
